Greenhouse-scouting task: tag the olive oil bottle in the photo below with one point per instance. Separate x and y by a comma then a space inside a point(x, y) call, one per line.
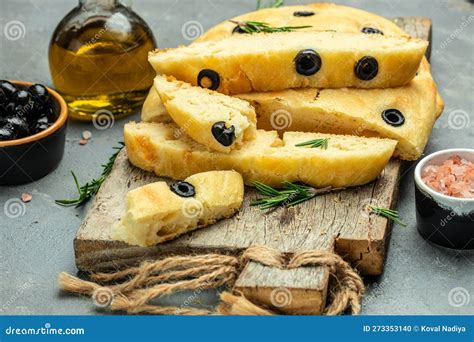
point(98, 58)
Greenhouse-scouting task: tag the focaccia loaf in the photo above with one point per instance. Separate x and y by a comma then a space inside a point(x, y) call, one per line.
point(159, 212)
point(219, 122)
point(347, 161)
point(283, 60)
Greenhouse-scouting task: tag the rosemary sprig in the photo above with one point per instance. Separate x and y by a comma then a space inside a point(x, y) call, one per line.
point(323, 143)
point(389, 214)
point(259, 27)
point(271, 4)
point(88, 190)
point(291, 194)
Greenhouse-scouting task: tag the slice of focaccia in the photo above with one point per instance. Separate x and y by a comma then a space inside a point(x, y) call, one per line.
point(277, 61)
point(406, 114)
point(219, 122)
point(347, 160)
point(159, 212)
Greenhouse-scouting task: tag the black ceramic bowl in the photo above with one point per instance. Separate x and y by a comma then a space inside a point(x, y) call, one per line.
point(27, 159)
point(444, 220)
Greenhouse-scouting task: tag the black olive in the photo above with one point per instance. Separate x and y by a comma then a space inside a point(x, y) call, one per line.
point(8, 88)
point(3, 97)
point(3, 111)
point(212, 76)
point(22, 97)
point(183, 189)
point(18, 125)
point(6, 133)
point(307, 62)
point(303, 14)
point(371, 30)
point(40, 92)
point(238, 29)
point(366, 68)
point(10, 108)
point(225, 136)
point(393, 117)
point(40, 125)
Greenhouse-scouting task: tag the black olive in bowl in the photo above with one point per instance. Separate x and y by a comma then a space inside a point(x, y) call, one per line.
point(33, 122)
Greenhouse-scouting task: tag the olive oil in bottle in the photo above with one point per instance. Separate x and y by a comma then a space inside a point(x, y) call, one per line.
point(98, 57)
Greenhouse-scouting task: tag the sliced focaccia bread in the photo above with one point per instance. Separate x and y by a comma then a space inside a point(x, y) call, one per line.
point(159, 212)
point(406, 114)
point(277, 61)
point(219, 122)
point(346, 160)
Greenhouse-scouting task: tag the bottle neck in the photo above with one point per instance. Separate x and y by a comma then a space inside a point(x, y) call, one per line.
point(98, 3)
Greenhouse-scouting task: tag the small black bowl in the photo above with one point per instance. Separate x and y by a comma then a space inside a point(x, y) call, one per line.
point(27, 159)
point(444, 220)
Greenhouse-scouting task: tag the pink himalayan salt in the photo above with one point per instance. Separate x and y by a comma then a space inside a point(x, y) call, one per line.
point(455, 177)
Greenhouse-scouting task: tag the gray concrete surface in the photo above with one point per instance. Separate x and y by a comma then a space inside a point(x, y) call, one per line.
point(419, 278)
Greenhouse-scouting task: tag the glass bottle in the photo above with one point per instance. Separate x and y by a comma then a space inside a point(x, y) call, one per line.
point(98, 58)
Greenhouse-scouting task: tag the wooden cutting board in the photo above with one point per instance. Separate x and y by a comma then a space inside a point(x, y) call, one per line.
point(337, 222)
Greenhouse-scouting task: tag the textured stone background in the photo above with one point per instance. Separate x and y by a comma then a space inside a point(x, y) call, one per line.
point(419, 278)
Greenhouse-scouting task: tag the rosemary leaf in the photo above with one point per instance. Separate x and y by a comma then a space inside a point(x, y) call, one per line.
point(258, 27)
point(88, 190)
point(291, 194)
point(388, 214)
point(323, 143)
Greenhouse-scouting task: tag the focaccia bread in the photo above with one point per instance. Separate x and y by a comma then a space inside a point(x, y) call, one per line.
point(283, 60)
point(159, 212)
point(219, 122)
point(347, 161)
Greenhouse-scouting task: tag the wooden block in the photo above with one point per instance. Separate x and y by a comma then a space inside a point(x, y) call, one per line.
point(337, 222)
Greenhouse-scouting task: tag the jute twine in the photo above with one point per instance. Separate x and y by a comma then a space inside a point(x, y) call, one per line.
point(131, 290)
